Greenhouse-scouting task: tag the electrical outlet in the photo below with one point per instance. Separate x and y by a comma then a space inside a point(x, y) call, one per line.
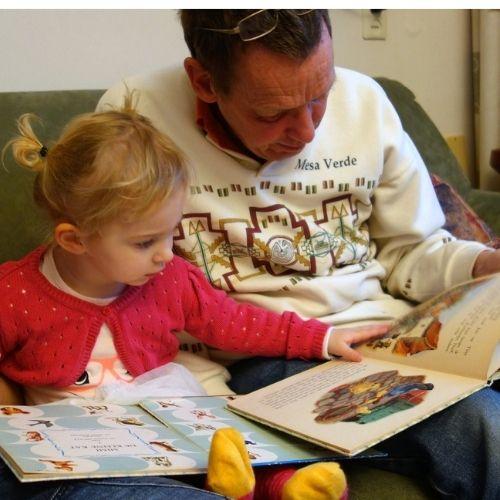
point(374, 25)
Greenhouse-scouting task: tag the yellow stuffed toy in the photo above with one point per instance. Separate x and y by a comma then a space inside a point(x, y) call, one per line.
point(230, 473)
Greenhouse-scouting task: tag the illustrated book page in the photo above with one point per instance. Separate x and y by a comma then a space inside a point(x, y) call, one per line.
point(81, 438)
point(348, 407)
point(457, 332)
point(197, 418)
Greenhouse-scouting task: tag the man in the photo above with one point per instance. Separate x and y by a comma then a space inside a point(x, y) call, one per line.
point(310, 196)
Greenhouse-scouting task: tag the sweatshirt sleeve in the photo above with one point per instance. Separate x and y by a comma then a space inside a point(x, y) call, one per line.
point(218, 320)
point(420, 258)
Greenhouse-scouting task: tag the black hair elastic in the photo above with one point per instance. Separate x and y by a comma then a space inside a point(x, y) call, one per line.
point(43, 151)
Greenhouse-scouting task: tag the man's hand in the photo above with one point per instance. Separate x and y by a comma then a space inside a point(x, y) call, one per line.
point(339, 343)
point(487, 262)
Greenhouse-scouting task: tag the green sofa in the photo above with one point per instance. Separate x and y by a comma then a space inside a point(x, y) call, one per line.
point(22, 227)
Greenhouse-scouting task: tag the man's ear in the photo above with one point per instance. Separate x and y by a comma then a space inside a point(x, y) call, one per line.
point(200, 79)
point(69, 237)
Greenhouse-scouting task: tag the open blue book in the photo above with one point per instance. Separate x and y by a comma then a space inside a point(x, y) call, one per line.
point(81, 438)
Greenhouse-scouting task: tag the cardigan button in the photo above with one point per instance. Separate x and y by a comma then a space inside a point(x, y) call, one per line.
point(106, 311)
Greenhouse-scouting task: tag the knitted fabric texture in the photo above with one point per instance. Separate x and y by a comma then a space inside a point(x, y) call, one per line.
point(47, 336)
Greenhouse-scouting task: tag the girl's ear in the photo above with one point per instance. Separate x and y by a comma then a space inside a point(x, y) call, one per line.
point(201, 81)
point(68, 236)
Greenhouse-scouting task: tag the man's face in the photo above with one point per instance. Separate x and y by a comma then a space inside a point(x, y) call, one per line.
point(275, 103)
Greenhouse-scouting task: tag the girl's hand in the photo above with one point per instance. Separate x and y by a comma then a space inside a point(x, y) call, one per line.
point(341, 339)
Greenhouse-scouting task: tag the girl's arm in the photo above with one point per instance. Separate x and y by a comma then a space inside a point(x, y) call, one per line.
point(220, 321)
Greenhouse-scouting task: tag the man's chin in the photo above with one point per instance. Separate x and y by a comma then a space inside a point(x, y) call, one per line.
point(282, 152)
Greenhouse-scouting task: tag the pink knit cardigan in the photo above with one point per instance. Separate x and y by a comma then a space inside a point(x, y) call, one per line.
point(47, 336)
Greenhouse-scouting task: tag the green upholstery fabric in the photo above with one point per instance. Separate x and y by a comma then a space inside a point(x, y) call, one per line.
point(437, 155)
point(369, 483)
point(22, 227)
point(487, 205)
point(425, 135)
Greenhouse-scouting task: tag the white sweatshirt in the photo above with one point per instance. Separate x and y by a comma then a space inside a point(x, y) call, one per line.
point(326, 233)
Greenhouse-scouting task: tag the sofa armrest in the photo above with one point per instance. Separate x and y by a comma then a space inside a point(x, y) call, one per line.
point(431, 145)
point(487, 205)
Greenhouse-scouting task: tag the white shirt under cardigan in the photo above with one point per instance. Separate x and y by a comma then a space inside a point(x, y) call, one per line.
point(105, 367)
point(345, 231)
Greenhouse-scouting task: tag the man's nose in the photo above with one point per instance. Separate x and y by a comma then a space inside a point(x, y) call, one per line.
point(302, 127)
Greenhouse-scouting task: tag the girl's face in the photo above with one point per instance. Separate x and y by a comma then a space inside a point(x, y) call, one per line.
point(132, 253)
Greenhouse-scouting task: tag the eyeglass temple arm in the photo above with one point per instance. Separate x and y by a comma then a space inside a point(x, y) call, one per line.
point(229, 31)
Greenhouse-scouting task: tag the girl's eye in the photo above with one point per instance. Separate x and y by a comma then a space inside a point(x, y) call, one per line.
point(144, 244)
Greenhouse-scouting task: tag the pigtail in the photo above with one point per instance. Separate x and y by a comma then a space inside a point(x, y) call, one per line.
point(27, 150)
point(130, 101)
point(104, 166)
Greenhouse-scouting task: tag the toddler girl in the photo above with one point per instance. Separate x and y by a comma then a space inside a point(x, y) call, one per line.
point(103, 300)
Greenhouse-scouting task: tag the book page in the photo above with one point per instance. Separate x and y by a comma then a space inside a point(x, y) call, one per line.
point(350, 406)
point(494, 370)
point(456, 332)
point(82, 438)
point(197, 418)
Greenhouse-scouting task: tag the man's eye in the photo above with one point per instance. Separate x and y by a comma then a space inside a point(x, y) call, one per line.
point(144, 244)
point(320, 99)
point(270, 119)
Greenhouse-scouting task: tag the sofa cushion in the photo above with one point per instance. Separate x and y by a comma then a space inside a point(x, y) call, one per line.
point(461, 220)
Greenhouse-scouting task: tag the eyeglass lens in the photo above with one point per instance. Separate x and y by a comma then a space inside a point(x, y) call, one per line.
point(257, 25)
point(262, 22)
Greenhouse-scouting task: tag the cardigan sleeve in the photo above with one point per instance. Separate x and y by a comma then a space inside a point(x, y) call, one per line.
point(218, 320)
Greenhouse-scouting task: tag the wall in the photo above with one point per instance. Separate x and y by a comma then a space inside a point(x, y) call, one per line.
point(82, 49)
point(428, 50)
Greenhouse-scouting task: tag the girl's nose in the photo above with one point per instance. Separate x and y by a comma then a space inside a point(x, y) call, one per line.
point(163, 255)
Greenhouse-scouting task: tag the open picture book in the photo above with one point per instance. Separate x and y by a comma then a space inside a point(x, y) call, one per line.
point(441, 352)
point(81, 438)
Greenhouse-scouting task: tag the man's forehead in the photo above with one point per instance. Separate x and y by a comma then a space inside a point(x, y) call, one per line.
point(265, 79)
point(292, 93)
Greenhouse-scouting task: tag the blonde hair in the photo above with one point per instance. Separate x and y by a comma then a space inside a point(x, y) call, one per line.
point(104, 166)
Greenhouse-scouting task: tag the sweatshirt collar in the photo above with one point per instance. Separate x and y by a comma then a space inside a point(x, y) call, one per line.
point(208, 118)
